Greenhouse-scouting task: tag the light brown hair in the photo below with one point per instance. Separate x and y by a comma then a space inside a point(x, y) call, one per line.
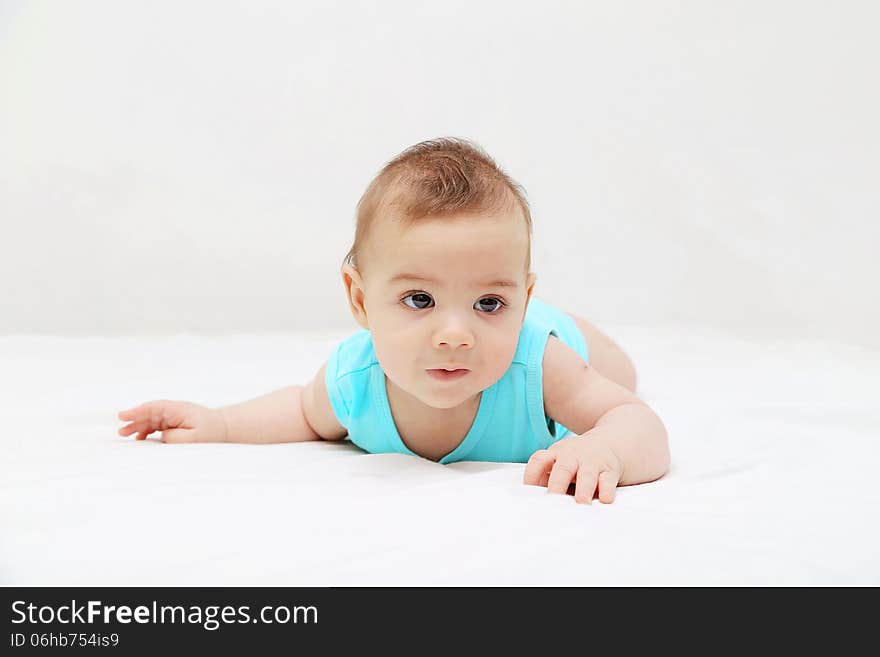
point(438, 178)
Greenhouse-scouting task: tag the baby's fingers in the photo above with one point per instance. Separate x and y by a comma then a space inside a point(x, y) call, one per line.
point(589, 481)
point(608, 481)
point(564, 470)
point(142, 427)
point(147, 418)
point(537, 468)
point(585, 485)
point(135, 413)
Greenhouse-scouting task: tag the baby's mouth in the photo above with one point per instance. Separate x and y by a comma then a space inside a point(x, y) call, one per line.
point(448, 375)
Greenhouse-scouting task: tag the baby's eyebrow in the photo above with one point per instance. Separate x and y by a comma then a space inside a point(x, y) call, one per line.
point(404, 276)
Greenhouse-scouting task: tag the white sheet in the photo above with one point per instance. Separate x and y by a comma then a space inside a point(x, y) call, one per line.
point(775, 455)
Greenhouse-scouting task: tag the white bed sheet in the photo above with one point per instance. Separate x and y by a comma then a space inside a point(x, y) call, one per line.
point(774, 445)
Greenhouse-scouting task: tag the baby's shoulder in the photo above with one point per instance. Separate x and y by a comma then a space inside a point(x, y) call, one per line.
point(561, 368)
point(354, 354)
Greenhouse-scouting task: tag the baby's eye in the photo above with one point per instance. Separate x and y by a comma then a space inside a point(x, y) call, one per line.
point(422, 298)
point(496, 309)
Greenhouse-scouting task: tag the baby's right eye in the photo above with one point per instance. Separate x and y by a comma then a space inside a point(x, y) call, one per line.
point(421, 300)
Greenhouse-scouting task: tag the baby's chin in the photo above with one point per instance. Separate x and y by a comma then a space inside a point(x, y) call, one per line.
point(449, 398)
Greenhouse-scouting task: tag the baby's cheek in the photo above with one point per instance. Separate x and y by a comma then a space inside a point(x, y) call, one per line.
point(396, 360)
point(390, 362)
point(499, 359)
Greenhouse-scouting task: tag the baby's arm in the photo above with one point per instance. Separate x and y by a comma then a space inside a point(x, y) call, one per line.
point(284, 415)
point(607, 356)
point(293, 414)
point(276, 417)
point(619, 439)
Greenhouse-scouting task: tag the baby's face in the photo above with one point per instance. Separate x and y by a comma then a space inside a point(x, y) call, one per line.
point(433, 297)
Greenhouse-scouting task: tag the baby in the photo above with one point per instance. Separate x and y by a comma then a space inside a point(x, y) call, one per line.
point(457, 360)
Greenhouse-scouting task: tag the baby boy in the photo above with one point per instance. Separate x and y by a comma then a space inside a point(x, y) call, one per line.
point(457, 360)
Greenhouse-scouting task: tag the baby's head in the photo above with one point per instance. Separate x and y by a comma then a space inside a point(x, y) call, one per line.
point(439, 269)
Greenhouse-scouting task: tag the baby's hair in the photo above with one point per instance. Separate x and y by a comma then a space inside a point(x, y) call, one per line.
point(438, 178)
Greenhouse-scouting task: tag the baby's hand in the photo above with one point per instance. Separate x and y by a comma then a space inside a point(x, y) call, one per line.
point(585, 459)
point(179, 422)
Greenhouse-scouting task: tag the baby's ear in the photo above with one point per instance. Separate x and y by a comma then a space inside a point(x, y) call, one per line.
point(530, 285)
point(354, 290)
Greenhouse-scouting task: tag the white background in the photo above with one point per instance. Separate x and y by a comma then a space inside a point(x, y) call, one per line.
point(703, 178)
point(183, 167)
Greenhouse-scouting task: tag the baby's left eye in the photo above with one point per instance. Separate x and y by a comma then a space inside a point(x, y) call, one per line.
point(491, 300)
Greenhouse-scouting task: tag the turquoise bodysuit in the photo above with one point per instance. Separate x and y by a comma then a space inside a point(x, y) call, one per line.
point(510, 424)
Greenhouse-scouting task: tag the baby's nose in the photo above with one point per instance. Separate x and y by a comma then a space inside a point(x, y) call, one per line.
point(454, 339)
point(452, 330)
